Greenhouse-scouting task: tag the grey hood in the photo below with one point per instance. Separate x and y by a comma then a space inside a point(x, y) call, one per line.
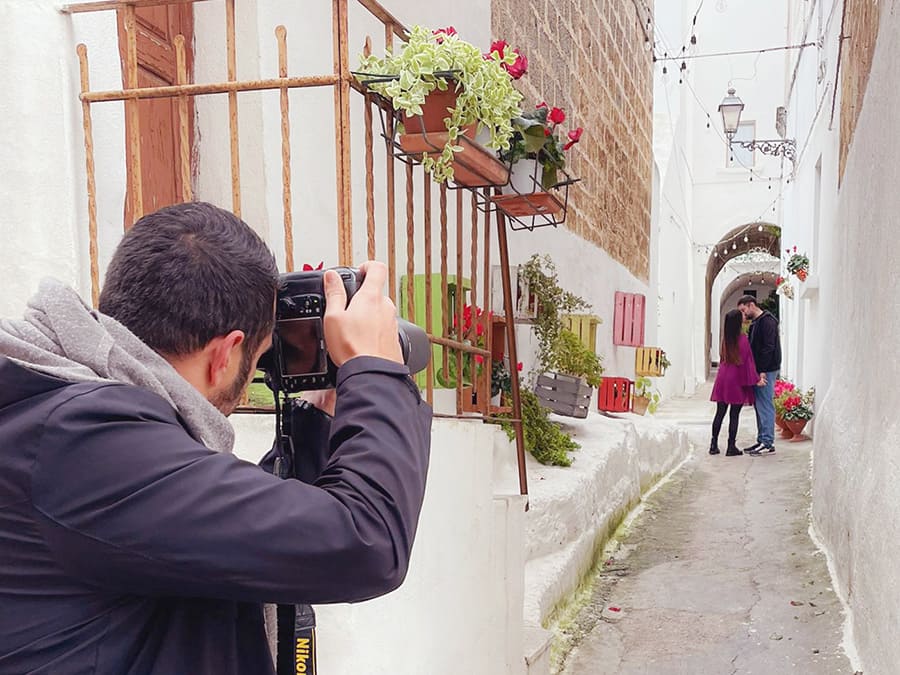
point(61, 336)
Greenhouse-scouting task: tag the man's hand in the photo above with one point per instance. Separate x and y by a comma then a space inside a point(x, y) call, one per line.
point(762, 380)
point(368, 326)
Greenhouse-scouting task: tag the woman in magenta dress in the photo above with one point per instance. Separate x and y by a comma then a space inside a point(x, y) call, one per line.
point(735, 382)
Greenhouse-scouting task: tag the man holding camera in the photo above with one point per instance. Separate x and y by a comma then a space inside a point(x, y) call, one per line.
point(131, 540)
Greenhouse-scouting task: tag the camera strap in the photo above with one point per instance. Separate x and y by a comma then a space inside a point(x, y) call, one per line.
point(296, 640)
point(296, 653)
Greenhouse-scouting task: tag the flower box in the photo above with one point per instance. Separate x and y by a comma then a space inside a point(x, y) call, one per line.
point(648, 362)
point(614, 395)
point(473, 166)
point(564, 394)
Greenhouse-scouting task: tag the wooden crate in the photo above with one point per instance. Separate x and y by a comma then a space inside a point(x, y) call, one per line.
point(614, 395)
point(585, 327)
point(648, 362)
point(564, 394)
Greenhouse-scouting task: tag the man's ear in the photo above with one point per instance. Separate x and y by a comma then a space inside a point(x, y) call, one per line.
point(224, 353)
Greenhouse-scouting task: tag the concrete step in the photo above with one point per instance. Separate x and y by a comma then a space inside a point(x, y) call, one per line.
point(537, 643)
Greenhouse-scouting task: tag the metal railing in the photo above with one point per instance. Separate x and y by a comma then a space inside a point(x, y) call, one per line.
point(467, 347)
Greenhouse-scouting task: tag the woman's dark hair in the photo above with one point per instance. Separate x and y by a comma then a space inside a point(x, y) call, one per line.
point(189, 273)
point(731, 348)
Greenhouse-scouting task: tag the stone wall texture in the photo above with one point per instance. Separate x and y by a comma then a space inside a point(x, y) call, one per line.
point(590, 57)
point(861, 18)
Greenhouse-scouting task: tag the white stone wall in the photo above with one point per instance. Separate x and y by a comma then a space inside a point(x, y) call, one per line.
point(856, 478)
point(460, 608)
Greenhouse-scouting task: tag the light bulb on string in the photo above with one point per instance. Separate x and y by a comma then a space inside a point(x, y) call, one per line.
point(734, 245)
point(759, 228)
point(746, 239)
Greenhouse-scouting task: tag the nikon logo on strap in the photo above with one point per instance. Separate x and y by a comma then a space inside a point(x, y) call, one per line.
point(305, 652)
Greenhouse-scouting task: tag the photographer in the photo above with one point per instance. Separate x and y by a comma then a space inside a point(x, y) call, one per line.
point(131, 540)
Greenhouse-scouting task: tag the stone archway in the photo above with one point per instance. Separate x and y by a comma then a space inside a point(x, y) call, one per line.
point(758, 236)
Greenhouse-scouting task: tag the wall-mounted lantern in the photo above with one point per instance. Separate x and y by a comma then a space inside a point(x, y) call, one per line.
point(731, 109)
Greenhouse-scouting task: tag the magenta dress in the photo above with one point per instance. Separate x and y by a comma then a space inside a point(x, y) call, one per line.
point(736, 384)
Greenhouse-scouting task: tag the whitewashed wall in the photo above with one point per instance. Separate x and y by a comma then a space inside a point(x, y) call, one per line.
point(43, 224)
point(840, 336)
point(460, 608)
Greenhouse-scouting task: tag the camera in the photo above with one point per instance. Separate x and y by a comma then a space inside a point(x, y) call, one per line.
point(298, 360)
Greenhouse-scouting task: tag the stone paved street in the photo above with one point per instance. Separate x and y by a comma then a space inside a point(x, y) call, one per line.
point(718, 574)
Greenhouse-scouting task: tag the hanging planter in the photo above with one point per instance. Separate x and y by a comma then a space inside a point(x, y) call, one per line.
point(439, 132)
point(538, 187)
point(798, 264)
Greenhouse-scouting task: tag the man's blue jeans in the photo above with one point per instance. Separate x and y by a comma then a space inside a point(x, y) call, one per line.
point(765, 410)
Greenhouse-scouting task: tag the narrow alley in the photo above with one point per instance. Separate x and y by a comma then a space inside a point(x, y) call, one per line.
point(718, 573)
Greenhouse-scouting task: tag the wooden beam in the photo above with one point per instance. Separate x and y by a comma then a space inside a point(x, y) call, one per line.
point(204, 89)
point(103, 5)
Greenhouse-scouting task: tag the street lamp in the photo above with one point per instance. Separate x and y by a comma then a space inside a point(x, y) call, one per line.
point(731, 109)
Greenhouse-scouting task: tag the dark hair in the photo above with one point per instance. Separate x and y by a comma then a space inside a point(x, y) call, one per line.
point(189, 273)
point(747, 300)
point(731, 348)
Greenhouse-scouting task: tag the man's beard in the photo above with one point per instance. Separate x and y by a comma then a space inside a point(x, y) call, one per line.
point(229, 399)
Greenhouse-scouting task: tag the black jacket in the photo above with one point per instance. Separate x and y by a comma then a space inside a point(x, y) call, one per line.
point(765, 343)
point(126, 546)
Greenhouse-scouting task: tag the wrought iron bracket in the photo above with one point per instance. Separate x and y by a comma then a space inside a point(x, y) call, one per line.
point(786, 148)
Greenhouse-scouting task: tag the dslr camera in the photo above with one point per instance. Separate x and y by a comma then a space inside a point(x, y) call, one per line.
point(298, 360)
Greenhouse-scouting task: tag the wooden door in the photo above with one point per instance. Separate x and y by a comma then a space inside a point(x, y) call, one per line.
point(160, 145)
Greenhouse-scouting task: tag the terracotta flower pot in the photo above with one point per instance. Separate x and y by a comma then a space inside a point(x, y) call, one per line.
point(796, 426)
point(434, 110)
point(779, 420)
point(639, 404)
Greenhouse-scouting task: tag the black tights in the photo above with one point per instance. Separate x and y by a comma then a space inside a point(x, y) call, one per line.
point(733, 419)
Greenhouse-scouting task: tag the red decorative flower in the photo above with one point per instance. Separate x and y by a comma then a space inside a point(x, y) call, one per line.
point(519, 67)
point(574, 137)
point(479, 359)
point(557, 115)
point(441, 33)
point(309, 268)
point(499, 46)
point(519, 366)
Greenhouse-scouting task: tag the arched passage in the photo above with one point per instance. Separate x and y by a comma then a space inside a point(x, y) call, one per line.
point(764, 237)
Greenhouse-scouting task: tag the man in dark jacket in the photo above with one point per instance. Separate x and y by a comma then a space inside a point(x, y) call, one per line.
point(766, 346)
point(131, 539)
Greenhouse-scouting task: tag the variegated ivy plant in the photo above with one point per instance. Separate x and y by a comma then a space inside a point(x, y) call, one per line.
point(483, 81)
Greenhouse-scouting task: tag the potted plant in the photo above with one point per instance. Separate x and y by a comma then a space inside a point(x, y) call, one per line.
point(798, 410)
point(544, 439)
point(537, 154)
point(798, 264)
point(445, 84)
point(571, 356)
point(551, 301)
point(783, 389)
point(501, 380)
point(644, 397)
point(566, 394)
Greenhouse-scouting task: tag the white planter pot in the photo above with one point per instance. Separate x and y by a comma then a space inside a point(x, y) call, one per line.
point(524, 177)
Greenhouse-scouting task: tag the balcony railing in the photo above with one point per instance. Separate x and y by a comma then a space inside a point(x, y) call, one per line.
point(440, 257)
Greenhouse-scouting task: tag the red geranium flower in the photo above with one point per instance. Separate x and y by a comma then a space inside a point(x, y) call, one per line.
point(479, 359)
point(557, 115)
point(574, 137)
point(519, 366)
point(499, 46)
point(519, 67)
point(440, 33)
